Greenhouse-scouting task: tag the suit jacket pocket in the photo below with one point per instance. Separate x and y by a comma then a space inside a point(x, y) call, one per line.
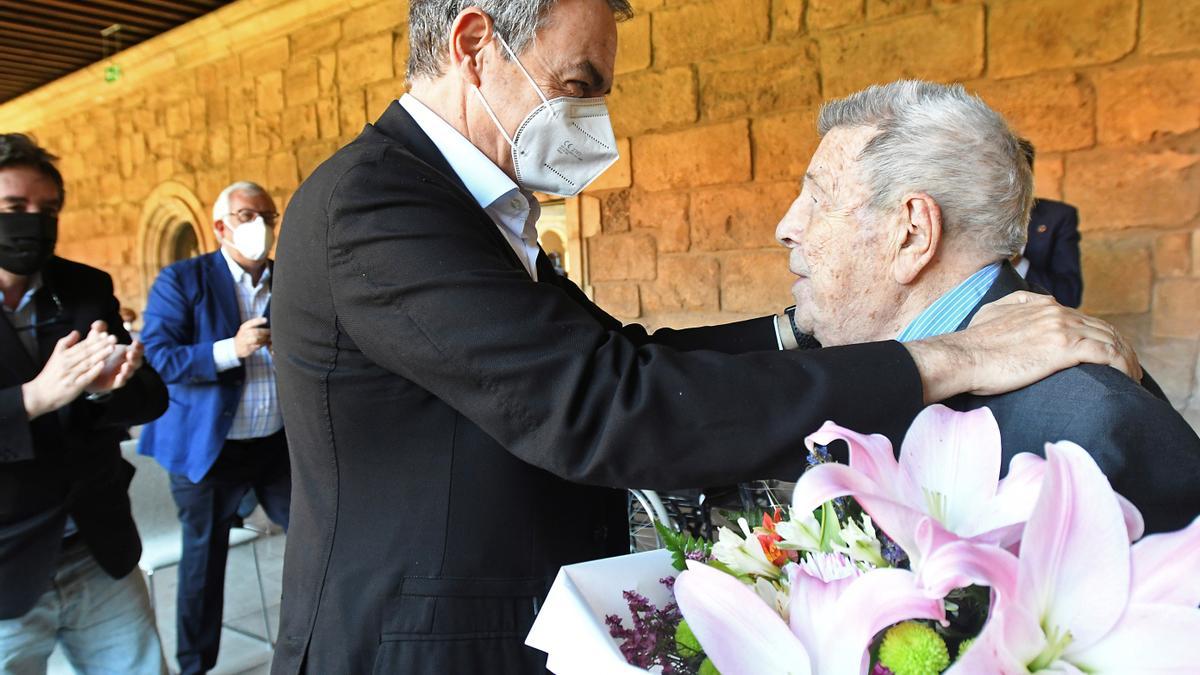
point(459, 606)
point(460, 625)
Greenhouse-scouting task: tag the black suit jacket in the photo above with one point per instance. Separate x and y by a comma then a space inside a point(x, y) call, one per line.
point(457, 429)
point(1053, 251)
point(69, 461)
point(1146, 448)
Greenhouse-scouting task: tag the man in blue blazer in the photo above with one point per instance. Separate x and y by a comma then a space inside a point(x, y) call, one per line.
point(1051, 256)
point(206, 331)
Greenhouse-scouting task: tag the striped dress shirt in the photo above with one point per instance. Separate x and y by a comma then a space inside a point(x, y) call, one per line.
point(948, 311)
point(258, 412)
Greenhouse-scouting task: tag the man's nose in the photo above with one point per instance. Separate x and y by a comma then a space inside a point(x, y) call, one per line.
point(787, 233)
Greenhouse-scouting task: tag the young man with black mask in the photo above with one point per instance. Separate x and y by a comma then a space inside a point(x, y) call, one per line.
point(71, 382)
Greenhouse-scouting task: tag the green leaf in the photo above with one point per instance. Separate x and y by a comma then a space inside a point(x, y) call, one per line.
point(830, 527)
point(680, 545)
point(685, 641)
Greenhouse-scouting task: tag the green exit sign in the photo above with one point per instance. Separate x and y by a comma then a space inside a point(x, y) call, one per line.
point(112, 73)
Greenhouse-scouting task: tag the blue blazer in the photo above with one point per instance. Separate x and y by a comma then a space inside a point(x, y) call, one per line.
point(1053, 251)
point(192, 305)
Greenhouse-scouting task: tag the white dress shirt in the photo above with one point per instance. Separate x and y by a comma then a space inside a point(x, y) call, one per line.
point(258, 412)
point(513, 210)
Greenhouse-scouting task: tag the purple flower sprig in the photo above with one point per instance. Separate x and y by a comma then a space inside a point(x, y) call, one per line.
point(651, 640)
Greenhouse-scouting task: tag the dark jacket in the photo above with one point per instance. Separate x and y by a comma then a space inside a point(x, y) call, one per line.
point(1146, 448)
point(457, 430)
point(192, 305)
point(1053, 251)
point(69, 461)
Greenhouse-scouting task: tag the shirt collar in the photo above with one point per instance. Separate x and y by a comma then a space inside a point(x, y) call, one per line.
point(947, 312)
point(486, 182)
point(241, 276)
point(35, 285)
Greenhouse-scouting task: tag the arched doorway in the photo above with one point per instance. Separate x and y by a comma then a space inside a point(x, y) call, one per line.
point(173, 226)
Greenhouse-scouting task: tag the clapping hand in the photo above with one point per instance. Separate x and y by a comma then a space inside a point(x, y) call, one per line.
point(118, 368)
point(73, 366)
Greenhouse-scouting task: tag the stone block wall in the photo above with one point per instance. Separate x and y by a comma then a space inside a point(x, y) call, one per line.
point(715, 101)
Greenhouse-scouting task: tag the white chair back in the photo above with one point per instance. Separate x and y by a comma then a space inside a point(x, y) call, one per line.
point(154, 511)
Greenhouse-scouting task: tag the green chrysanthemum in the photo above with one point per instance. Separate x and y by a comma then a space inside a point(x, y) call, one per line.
point(913, 648)
point(964, 646)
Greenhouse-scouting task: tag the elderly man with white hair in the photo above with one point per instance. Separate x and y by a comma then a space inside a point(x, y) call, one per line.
point(911, 206)
point(206, 330)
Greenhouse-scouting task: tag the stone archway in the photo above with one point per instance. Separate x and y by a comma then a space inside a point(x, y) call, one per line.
point(174, 225)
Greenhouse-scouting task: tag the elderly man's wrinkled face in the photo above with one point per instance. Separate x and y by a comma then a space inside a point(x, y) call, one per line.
point(845, 292)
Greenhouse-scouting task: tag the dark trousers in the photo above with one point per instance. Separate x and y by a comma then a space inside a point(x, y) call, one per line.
point(207, 511)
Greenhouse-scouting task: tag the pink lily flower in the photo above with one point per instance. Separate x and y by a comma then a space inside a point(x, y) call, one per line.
point(836, 609)
point(1084, 600)
point(948, 473)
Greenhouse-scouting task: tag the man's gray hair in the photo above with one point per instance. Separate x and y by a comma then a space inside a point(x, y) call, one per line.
point(941, 140)
point(516, 21)
point(221, 206)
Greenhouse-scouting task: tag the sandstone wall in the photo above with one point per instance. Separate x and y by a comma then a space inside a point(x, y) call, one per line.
point(715, 102)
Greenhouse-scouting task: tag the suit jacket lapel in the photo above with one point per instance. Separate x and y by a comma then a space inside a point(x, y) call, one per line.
point(53, 322)
point(545, 268)
point(399, 126)
point(220, 282)
point(1008, 281)
point(13, 357)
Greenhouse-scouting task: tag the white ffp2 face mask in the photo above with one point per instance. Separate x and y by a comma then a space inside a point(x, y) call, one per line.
point(252, 239)
point(563, 145)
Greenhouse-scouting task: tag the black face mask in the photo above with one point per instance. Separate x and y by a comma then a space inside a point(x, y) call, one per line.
point(27, 241)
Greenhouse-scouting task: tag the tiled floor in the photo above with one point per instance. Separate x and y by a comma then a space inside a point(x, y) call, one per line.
point(240, 655)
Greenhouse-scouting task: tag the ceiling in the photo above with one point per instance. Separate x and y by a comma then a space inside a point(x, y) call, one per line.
point(42, 40)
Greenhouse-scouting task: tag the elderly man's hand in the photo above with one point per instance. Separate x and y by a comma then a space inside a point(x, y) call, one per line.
point(1015, 342)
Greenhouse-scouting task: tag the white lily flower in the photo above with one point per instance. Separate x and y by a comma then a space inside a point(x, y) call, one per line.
point(799, 534)
point(743, 556)
point(861, 543)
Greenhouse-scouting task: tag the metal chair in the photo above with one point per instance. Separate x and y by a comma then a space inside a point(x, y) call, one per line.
point(691, 511)
point(157, 520)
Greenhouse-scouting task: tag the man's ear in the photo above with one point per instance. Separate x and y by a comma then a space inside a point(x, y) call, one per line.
point(470, 33)
point(921, 239)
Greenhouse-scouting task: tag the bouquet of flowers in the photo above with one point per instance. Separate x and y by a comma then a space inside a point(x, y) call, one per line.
point(930, 564)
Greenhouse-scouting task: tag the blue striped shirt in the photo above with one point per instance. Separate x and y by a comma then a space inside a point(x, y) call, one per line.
point(258, 414)
point(948, 311)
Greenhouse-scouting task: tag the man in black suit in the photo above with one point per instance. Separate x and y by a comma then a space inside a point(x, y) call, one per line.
point(459, 414)
point(1050, 259)
point(70, 385)
point(908, 265)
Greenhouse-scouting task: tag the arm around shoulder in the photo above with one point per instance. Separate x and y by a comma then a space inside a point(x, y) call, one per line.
point(425, 289)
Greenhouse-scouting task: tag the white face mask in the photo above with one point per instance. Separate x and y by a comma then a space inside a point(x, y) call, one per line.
point(252, 239)
point(563, 145)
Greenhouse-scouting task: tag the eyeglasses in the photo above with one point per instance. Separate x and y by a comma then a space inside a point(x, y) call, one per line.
point(247, 215)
